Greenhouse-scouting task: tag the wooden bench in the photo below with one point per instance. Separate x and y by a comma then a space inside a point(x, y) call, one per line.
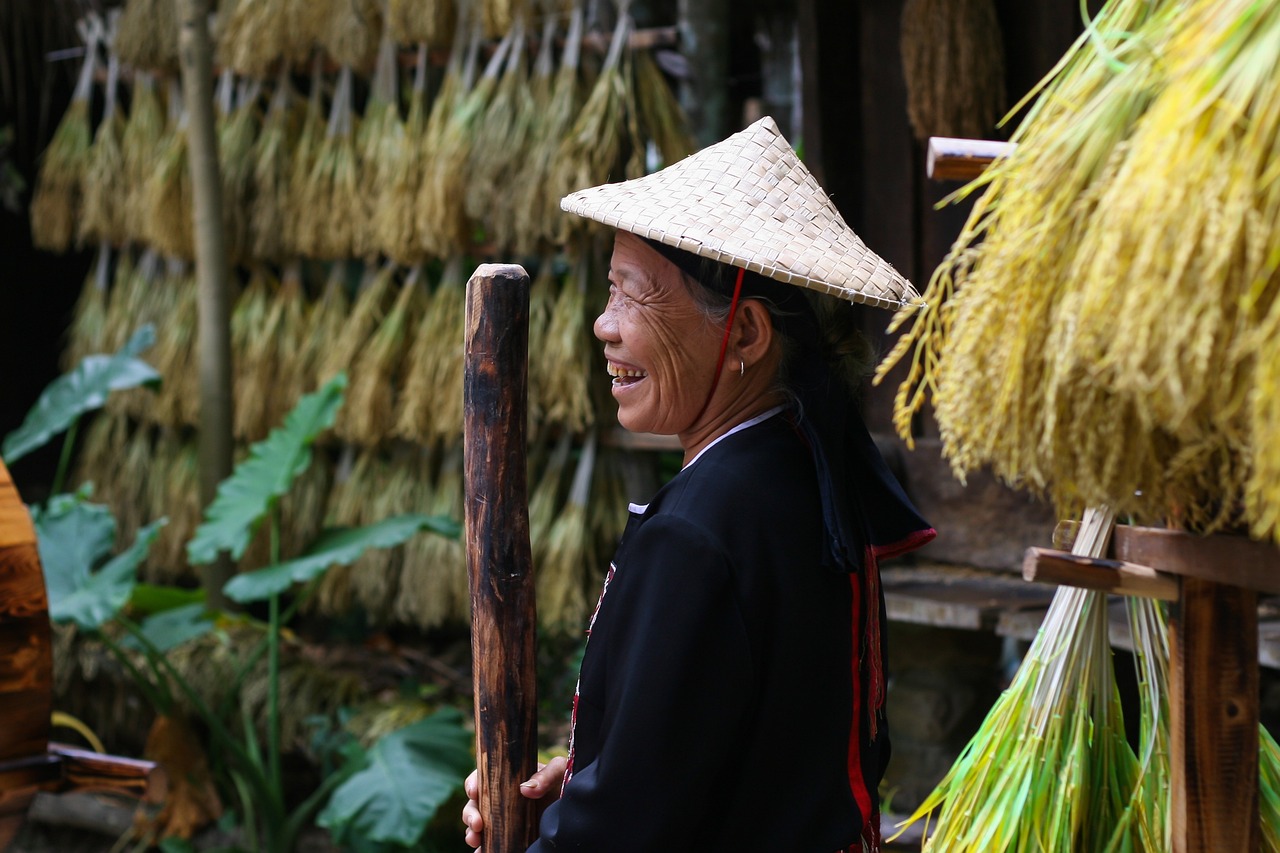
point(29, 762)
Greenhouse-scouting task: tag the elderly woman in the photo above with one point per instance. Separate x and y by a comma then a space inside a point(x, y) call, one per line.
point(731, 696)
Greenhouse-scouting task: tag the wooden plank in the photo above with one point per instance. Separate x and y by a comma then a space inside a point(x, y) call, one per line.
point(1045, 565)
point(951, 159)
point(1233, 560)
point(82, 768)
point(1213, 708)
point(956, 596)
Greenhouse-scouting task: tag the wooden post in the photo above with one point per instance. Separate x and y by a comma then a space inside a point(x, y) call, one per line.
point(499, 560)
point(1213, 719)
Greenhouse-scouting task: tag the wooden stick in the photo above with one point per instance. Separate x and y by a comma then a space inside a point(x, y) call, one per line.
point(499, 560)
point(1045, 565)
point(1233, 560)
point(951, 159)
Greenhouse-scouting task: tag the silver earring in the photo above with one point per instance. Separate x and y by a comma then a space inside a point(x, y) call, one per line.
point(742, 367)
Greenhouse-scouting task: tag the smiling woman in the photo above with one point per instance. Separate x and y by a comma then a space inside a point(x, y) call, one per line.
point(731, 696)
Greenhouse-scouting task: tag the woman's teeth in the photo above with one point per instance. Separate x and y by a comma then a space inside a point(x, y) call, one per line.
point(623, 376)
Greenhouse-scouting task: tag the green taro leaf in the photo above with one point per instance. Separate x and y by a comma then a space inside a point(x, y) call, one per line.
point(174, 627)
point(82, 390)
point(148, 598)
point(409, 774)
point(246, 497)
point(340, 546)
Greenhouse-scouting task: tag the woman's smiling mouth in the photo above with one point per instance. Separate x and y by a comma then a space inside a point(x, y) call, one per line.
point(625, 375)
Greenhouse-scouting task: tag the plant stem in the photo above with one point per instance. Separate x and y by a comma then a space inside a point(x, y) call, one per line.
point(157, 694)
point(273, 664)
point(64, 460)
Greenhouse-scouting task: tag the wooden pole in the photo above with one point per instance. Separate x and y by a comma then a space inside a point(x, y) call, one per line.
point(195, 54)
point(499, 560)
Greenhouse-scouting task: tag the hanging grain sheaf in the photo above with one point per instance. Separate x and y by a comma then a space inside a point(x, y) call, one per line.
point(398, 175)
point(147, 37)
point(662, 119)
point(269, 178)
point(88, 332)
point(350, 31)
point(542, 301)
point(525, 185)
point(250, 345)
point(562, 579)
point(55, 201)
point(177, 403)
point(173, 491)
point(254, 35)
point(168, 196)
point(237, 128)
point(372, 303)
point(104, 189)
point(140, 141)
point(567, 354)
point(299, 233)
point(325, 323)
point(429, 22)
point(433, 587)
point(333, 220)
point(953, 61)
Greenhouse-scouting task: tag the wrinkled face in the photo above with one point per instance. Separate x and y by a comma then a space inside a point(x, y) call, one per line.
point(660, 348)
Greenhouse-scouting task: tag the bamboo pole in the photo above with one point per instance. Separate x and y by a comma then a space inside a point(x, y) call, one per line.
point(212, 273)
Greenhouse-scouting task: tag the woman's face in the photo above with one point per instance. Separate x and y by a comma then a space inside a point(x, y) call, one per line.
point(661, 350)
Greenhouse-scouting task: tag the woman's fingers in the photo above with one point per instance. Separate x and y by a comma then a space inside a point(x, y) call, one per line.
point(545, 781)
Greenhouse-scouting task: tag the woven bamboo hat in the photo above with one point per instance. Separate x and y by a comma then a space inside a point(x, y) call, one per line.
point(748, 201)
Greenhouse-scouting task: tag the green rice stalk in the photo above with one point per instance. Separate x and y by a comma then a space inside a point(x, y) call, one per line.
point(378, 373)
point(55, 200)
point(303, 222)
point(430, 22)
point(524, 187)
point(562, 578)
point(147, 37)
point(567, 354)
point(381, 109)
point(662, 119)
point(87, 334)
point(371, 306)
point(442, 199)
point(269, 178)
point(953, 61)
point(327, 320)
point(104, 190)
point(398, 176)
point(252, 35)
point(433, 586)
point(350, 31)
point(251, 345)
point(1269, 790)
point(427, 408)
point(168, 225)
point(542, 301)
point(334, 221)
point(140, 142)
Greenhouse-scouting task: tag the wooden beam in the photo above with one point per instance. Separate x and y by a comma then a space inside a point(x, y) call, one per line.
point(1045, 565)
point(951, 159)
point(1234, 560)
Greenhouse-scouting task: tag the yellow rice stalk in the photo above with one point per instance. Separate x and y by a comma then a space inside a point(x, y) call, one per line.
point(433, 584)
point(414, 407)
point(542, 300)
point(381, 111)
point(343, 509)
point(524, 186)
point(237, 129)
point(251, 346)
point(662, 118)
point(499, 16)
point(398, 174)
point(1262, 492)
point(372, 301)
point(104, 191)
point(301, 221)
point(1269, 790)
point(174, 355)
point(590, 153)
point(252, 36)
point(427, 407)
point(147, 37)
point(168, 225)
point(127, 297)
point(442, 199)
point(430, 22)
point(562, 578)
point(292, 328)
point(154, 297)
point(87, 334)
point(328, 318)
point(55, 201)
point(375, 580)
point(333, 222)
point(459, 72)
point(305, 23)
point(545, 499)
point(953, 60)
point(176, 495)
point(377, 375)
point(269, 179)
point(140, 141)
point(350, 31)
point(498, 151)
point(567, 355)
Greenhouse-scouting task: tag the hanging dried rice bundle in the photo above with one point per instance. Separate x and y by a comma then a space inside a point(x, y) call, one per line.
point(1262, 492)
point(609, 508)
point(265, 387)
point(333, 222)
point(375, 577)
point(661, 117)
point(152, 297)
point(148, 35)
point(545, 500)
point(55, 201)
point(589, 154)
point(562, 578)
point(372, 301)
point(87, 334)
point(398, 175)
point(567, 356)
point(302, 509)
point(442, 199)
point(269, 179)
point(377, 374)
point(143, 133)
point(300, 220)
point(174, 492)
point(415, 403)
point(104, 191)
point(499, 16)
point(500, 142)
point(953, 61)
point(431, 405)
point(542, 300)
point(254, 349)
point(327, 320)
point(350, 31)
point(178, 402)
point(169, 195)
point(524, 186)
point(345, 509)
point(252, 36)
point(458, 76)
point(237, 129)
point(430, 22)
point(433, 583)
point(127, 302)
point(289, 310)
point(100, 455)
point(381, 112)
point(138, 465)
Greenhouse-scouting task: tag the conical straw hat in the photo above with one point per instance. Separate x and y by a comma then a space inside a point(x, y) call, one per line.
point(748, 201)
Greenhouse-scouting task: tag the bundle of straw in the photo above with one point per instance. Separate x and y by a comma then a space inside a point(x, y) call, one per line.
point(300, 221)
point(376, 576)
point(442, 199)
point(175, 357)
point(431, 406)
point(429, 22)
point(288, 318)
point(542, 301)
point(140, 141)
point(661, 117)
point(302, 510)
point(562, 577)
point(55, 202)
point(269, 179)
point(87, 334)
point(398, 174)
point(325, 325)
point(609, 508)
point(148, 35)
point(499, 16)
point(350, 31)
point(953, 61)
point(433, 585)
point(253, 349)
point(173, 491)
point(168, 226)
point(567, 356)
point(252, 36)
point(100, 455)
point(104, 188)
point(343, 509)
point(546, 498)
point(127, 302)
point(372, 300)
point(152, 296)
point(333, 220)
point(237, 128)
point(524, 187)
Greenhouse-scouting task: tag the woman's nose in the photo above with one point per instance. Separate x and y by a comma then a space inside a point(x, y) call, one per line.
point(606, 326)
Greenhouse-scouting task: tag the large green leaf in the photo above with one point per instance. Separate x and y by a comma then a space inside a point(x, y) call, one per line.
point(82, 390)
point(408, 775)
point(245, 498)
point(73, 538)
point(148, 599)
point(174, 627)
point(341, 546)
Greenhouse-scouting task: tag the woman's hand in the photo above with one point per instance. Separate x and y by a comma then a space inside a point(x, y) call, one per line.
point(538, 786)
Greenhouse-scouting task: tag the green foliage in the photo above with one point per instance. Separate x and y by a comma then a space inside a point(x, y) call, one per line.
point(171, 628)
point(246, 497)
point(82, 390)
point(404, 778)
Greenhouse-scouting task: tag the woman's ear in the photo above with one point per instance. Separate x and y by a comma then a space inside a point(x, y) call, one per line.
point(754, 330)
